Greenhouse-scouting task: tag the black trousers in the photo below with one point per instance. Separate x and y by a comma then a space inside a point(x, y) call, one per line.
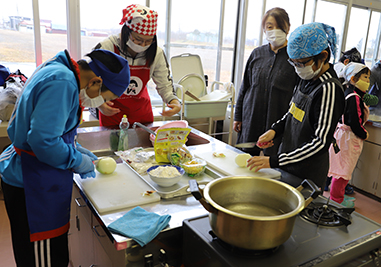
point(26, 253)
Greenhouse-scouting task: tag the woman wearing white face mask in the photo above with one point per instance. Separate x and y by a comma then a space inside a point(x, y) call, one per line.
point(306, 130)
point(137, 43)
point(267, 84)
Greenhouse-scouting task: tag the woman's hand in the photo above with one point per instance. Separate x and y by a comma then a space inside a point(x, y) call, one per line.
point(174, 106)
point(266, 139)
point(237, 126)
point(107, 109)
point(258, 162)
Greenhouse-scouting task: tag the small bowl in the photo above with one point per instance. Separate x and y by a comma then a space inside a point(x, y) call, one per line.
point(194, 167)
point(166, 181)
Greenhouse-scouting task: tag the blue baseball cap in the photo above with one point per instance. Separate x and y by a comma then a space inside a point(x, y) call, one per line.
point(116, 82)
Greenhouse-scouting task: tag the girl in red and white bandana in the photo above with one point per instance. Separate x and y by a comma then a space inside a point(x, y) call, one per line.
point(137, 42)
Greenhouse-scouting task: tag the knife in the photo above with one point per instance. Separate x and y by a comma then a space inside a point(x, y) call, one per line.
point(250, 144)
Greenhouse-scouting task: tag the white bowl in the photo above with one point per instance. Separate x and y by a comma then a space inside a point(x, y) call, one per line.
point(166, 181)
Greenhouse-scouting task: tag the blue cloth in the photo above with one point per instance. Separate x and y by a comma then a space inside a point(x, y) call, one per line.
point(310, 40)
point(115, 82)
point(140, 225)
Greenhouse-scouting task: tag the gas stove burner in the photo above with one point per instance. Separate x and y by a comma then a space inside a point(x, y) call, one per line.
point(241, 252)
point(327, 215)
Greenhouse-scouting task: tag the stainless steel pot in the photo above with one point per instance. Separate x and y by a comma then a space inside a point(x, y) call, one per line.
point(252, 212)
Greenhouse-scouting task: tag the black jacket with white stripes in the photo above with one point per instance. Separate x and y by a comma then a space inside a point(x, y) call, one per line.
point(323, 117)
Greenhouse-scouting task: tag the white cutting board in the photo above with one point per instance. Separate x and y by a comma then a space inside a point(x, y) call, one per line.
point(119, 190)
point(228, 166)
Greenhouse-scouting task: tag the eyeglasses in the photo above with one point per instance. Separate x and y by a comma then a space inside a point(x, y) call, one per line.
point(299, 64)
point(140, 41)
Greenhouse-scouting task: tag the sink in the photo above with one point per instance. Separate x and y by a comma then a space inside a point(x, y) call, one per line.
point(105, 142)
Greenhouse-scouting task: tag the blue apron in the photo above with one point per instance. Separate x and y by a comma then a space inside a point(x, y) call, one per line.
point(47, 193)
point(48, 189)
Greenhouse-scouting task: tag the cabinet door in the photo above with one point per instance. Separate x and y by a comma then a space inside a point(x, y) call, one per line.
point(101, 257)
point(365, 175)
point(105, 252)
point(81, 237)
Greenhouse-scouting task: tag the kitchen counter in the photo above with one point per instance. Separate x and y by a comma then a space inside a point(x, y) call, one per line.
point(88, 121)
point(180, 208)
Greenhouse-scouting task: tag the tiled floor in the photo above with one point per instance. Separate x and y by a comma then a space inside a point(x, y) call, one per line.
point(364, 205)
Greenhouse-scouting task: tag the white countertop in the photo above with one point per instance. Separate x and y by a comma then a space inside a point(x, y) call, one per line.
point(88, 121)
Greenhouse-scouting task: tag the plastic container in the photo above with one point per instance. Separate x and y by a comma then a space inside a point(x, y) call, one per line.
point(172, 124)
point(194, 167)
point(123, 134)
point(205, 109)
point(187, 71)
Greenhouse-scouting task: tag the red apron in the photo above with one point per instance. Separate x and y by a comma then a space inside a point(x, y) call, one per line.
point(134, 102)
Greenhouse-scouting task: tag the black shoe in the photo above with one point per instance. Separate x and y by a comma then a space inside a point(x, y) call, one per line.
point(349, 190)
point(327, 183)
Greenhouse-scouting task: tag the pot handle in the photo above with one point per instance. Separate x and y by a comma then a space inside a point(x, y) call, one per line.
point(198, 194)
point(315, 190)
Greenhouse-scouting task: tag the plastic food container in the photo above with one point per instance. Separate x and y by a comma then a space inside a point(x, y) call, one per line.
point(172, 124)
point(194, 167)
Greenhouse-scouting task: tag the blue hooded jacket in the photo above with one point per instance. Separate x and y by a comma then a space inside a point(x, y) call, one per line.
point(47, 109)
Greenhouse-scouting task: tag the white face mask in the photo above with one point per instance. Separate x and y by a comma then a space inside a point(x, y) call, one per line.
point(307, 73)
point(276, 37)
point(135, 47)
point(88, 101)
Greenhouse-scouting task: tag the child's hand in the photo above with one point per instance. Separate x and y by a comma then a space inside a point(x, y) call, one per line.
point(366, 114)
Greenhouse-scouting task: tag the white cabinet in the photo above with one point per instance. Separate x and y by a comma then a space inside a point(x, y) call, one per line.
point(367, 173)
point(88, 243)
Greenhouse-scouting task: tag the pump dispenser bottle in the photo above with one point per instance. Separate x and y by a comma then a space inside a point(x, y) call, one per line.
point(123, 134)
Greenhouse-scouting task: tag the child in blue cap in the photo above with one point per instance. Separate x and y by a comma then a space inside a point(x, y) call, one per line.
point(37, 168)
point(316, 106)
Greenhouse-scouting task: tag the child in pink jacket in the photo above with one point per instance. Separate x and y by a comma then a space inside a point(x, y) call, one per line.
point(350, 133)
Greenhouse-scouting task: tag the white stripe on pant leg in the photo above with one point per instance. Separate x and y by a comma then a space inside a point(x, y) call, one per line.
point(36, 253)
point(48, 263)
point(42, 253)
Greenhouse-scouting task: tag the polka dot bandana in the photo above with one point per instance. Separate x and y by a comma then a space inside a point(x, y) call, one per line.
point(140, 19)
point(310, 40)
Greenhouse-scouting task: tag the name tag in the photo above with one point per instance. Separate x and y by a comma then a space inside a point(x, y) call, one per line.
point(296, 112)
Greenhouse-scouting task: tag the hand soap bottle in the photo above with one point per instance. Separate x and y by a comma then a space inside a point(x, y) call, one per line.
point(123, 134)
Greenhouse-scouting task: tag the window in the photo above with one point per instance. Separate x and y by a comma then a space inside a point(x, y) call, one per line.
point(371, 44)
point(357, 29)
point(98, 21)
point(333, 15)
point(17, 37)
point(52, 27)
point(196, 31)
